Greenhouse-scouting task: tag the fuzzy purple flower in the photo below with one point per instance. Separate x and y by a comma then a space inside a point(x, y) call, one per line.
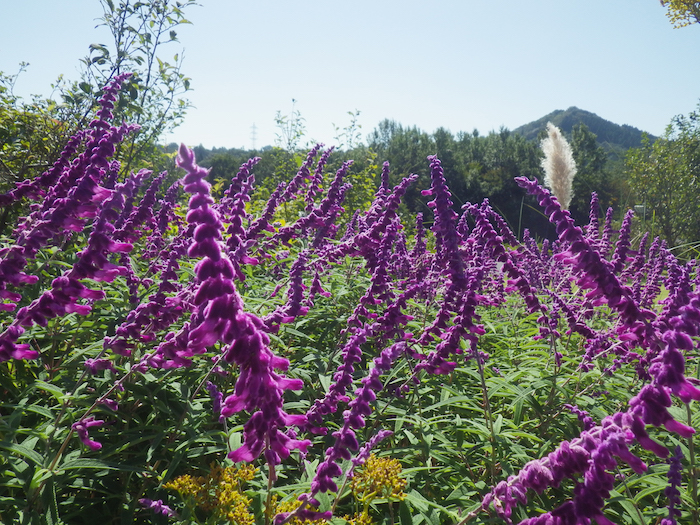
point(157, 506)
point(219, 316)
point(81, 428)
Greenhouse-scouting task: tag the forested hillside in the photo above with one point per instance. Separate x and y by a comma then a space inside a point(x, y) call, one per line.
point(476, 166)
point(610, 135)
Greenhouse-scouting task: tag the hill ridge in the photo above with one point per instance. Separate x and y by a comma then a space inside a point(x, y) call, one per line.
point(609, 134)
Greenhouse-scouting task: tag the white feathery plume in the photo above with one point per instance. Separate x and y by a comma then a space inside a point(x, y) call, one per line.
point(558, 165)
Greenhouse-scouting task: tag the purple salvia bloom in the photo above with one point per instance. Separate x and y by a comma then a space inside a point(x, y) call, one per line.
point(237, 184)
point(366, 242)
point(163, 221)
point(351, 355)
point(236, 243)
point(444, 227)
point(96, 365)
point(419, 243)
point(290, 192)
point(671, 491)
point(359, 408)
point(81, 428)
point(632, 270)
point(378, 203)
point(351, 228)
point(322, 216)
point(220, 317)
point(650, 276)
point(75, 196)
point(36, 188)
point(622, 247)
point(592, 454)
point(463, 328)
point(593, 272)
point(295, 295)
point(400, 263)
point(66, 290)
point(143, 215)
point(263, 222)
point(317, 180)
point(216, 398)
point(157, 506)
point(316, 289)
point(593, 227)
point(390, 325)
point(135, 181)
point(573, 316)
point(159, 312)
point(11, 349)
point(484, 234)
point(112, 177)
point(505, 232)
point(366, 450)
point(583, 416)
point(605, 242)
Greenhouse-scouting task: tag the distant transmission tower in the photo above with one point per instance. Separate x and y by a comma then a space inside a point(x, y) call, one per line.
point(253, 134)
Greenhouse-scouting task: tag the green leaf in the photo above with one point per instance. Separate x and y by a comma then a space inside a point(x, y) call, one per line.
point(51, 389)
point(27, 453)
point(98, 464)
point(405, 517)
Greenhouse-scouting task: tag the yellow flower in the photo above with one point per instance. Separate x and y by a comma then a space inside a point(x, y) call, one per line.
point(291, 506)
point(380, 478)
point(219, 493)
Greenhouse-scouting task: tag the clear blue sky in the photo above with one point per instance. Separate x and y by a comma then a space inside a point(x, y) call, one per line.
point(460, 64)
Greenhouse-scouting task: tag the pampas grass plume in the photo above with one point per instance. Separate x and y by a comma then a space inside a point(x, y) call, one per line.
point(558, 165)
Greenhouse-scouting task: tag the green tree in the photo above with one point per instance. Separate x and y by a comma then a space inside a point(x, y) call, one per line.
point(153, 97)
point(591, 160)
point(682, 13)
point(665, 176)
point(32, 134)
point(406, 149)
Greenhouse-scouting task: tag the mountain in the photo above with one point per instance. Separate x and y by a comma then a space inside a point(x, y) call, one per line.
point(610, 135)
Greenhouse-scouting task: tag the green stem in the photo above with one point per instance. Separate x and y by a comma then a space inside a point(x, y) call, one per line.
point(488, 416)
point(630, 498)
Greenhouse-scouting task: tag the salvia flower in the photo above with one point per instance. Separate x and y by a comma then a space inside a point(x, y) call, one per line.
point(671, 491)
point(94, 366)
point(81, 428)
point(157, 506)
point(358, 409)
point(219, 316)
point(216, 398)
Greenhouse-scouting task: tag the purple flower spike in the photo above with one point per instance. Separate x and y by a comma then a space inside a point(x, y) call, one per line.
point(219, 316)
point(96, 365)
point(366, 450)
point(82, 426)
point(216, 398)
point(354, 419)
point(671, 491)
point(157, 506)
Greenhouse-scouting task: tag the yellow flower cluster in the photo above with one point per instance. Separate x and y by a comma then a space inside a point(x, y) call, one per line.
point(219, 493)
point(359, 519)
point(380, 478)
point(290, 506)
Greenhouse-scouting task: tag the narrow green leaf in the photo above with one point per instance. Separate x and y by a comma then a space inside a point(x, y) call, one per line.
point(23, 451)
point(94, 463)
